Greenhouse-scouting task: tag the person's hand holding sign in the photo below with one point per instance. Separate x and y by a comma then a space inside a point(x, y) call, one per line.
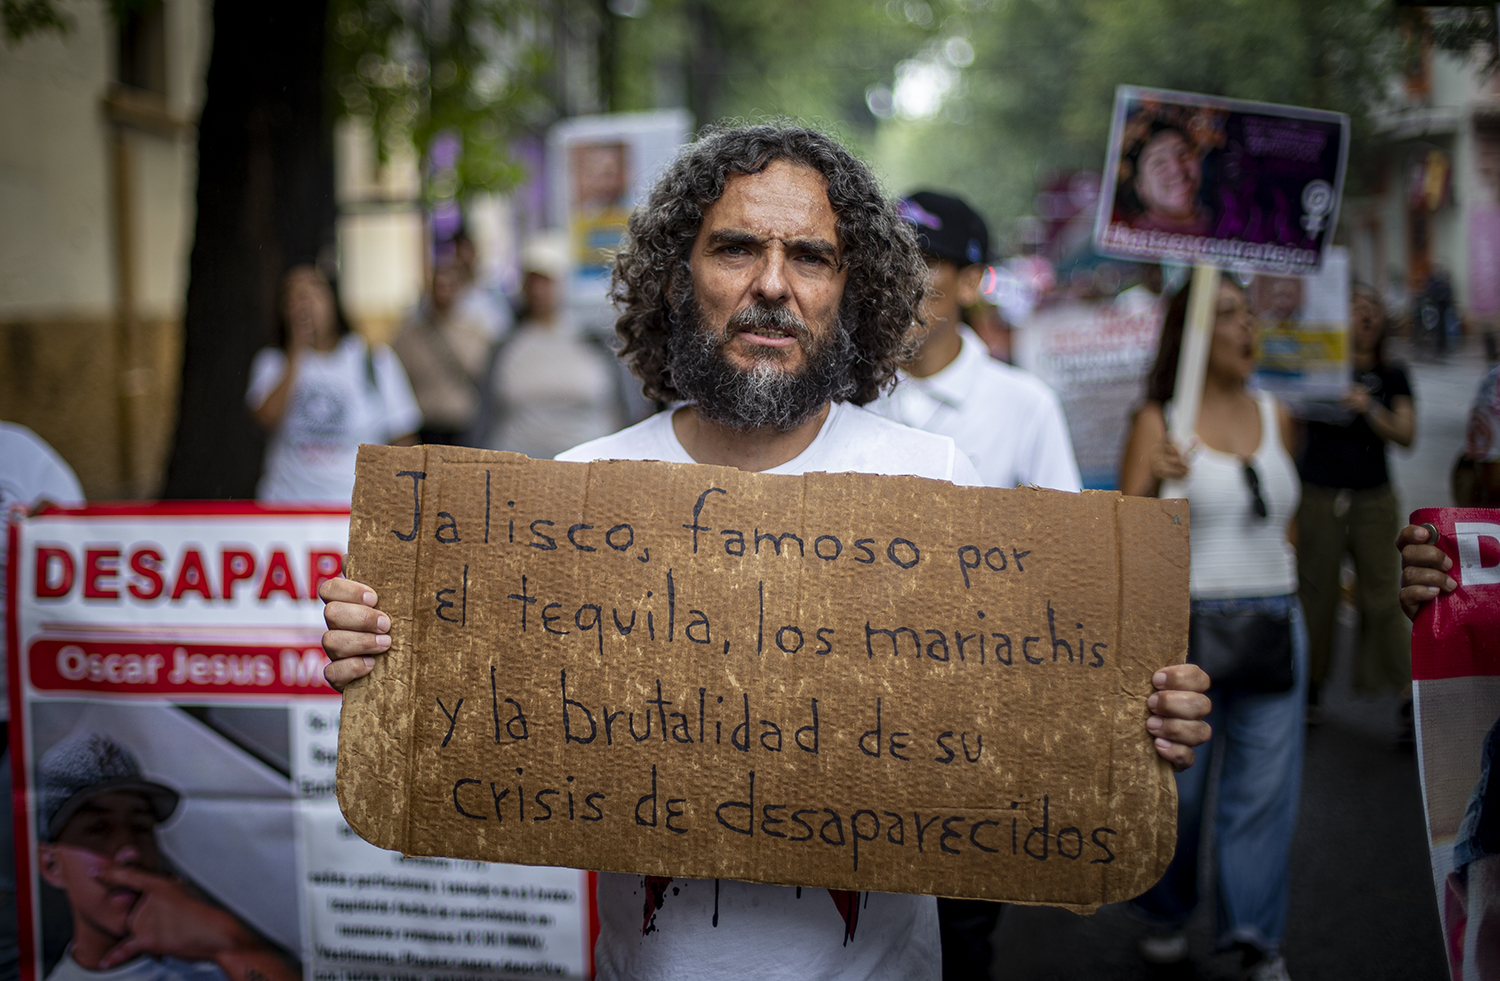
point(357, 631)
point(1424, 568)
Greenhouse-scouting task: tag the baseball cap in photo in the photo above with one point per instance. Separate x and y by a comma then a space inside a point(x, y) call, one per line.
point(87, 765)
point(946, 227)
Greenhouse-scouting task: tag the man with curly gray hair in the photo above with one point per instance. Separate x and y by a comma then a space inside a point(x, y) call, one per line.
point(769, 287)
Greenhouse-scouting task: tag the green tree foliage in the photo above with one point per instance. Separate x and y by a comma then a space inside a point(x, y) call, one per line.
point(738, 60)
point(1469, 32)
point(23, 18)
point(417, 68)
point(1039, 93)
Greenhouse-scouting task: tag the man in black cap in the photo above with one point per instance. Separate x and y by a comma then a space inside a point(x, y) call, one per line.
point(1007, 421)
point(131, 922)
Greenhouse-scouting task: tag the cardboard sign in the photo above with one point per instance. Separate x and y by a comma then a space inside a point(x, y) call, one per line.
point(837, 680)
point(1192, 178)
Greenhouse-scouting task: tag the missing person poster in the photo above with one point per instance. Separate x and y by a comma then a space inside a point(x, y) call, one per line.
point(599, 168)
point(1455, 654)
point(1191, 178)
point(1302, 346)
point(174, 746)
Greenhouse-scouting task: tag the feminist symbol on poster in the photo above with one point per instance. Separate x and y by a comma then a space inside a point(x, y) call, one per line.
point(1221, 182)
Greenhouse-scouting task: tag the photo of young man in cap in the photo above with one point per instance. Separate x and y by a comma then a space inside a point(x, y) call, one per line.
point(132, 921)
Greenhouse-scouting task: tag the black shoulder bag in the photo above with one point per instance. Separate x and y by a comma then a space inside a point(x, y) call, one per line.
point(1245, 651)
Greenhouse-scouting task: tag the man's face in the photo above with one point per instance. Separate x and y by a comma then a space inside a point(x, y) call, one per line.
point(770, 240)
point(1169, 177)
point(757, 339)
point(109, 829)
point(950, 290)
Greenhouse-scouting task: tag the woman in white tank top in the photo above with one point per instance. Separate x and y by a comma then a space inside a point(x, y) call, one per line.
point(1242, 492)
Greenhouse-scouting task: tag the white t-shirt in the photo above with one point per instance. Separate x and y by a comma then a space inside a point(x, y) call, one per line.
point(334, 406)
point(1007, 421)
point(852, 440)
point(30, 471)
point(726, 929)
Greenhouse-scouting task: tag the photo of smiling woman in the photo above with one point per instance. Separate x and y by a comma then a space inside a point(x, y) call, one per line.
point(1164, 150)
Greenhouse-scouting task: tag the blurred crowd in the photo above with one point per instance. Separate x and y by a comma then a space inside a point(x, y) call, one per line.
point(1285, 504)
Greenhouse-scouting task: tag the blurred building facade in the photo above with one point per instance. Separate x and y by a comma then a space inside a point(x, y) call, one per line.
point(98, 188)
point(97, 181)
point(1437, 173)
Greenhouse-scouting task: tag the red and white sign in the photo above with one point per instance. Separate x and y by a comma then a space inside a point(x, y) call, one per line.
point(172, 653)
point(1455, 661)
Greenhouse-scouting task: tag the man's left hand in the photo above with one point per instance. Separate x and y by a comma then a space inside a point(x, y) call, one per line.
point(1178, 708)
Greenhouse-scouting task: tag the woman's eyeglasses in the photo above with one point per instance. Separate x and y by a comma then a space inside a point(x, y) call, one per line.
point(1252, 480)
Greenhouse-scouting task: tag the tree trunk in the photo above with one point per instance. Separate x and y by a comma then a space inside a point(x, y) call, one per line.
point(265, 203)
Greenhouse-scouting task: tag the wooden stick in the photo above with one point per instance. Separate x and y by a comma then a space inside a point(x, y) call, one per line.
point(1192, 363)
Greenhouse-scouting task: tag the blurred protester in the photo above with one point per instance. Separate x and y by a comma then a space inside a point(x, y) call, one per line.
point(131, 920)
point(1349, 508)
point(484, 304)
point(1027, 278)
point(1434, 315)
point(320, 394)
point(31, 472)
point(445, 348)
point(1247, 633)
point(1145, 295)
point(550, 387)
point(1476, 474)
point(1007, 421)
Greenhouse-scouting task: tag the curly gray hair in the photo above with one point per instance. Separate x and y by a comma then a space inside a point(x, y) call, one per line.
point(887, 276)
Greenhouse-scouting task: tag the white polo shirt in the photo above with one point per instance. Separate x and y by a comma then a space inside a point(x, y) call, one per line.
point(1007, 421)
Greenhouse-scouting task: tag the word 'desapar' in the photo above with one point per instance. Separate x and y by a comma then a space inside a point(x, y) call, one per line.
point(835, 680)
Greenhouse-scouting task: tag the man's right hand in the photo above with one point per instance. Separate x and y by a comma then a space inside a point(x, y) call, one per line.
point(356, 630)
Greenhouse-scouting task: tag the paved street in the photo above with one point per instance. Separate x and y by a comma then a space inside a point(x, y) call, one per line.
point(1362, 900)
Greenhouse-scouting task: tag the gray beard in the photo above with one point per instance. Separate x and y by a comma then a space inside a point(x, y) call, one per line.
point(767, 394)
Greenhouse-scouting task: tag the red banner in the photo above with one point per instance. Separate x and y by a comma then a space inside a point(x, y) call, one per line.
point(1458, 635)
